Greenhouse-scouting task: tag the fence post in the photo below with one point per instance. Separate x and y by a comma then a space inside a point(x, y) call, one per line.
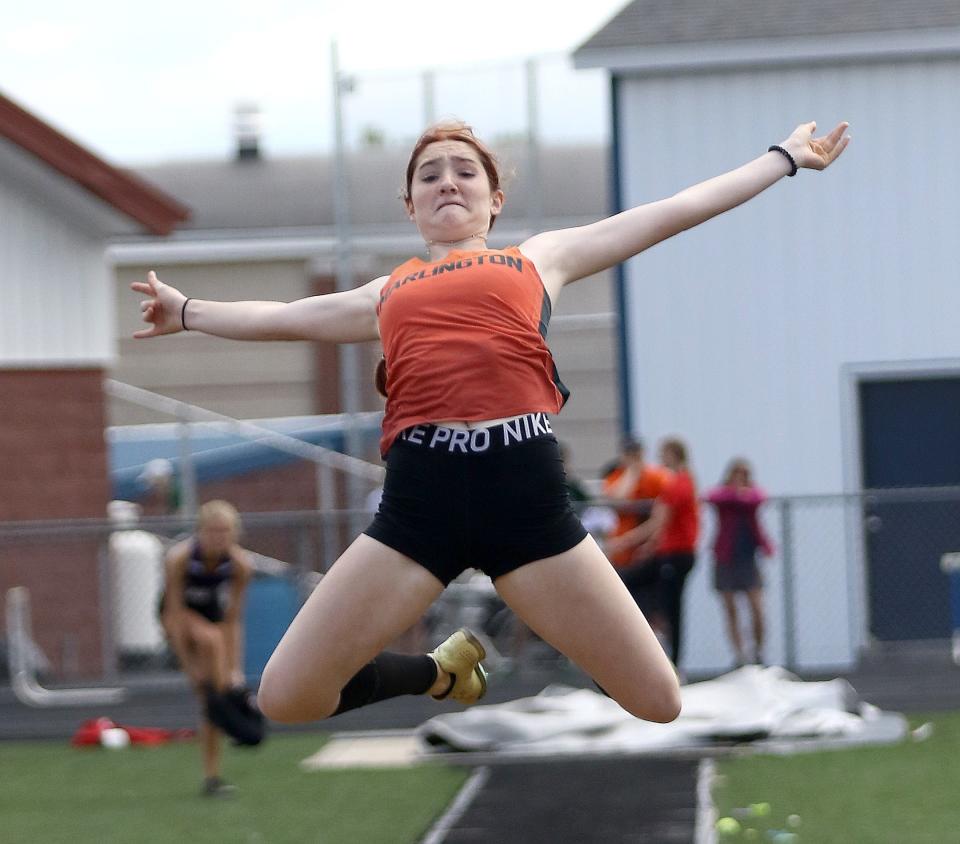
point(305, 557)
point(786, 558)
point(188, 474)
point(327, 489)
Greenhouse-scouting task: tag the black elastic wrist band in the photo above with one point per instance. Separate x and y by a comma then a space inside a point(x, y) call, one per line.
point(782, 151)
point(183, 313)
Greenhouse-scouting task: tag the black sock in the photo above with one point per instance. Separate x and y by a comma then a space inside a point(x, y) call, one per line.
point(389, 675)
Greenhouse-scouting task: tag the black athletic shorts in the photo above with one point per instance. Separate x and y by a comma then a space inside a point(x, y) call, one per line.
point(492, 498)
point(210, 610)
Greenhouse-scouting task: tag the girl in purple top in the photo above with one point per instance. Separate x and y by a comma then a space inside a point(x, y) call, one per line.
point(739, 536)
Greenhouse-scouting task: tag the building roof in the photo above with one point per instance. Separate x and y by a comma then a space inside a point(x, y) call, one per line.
point(658, 22)
point(296, 193)
point(148, 206)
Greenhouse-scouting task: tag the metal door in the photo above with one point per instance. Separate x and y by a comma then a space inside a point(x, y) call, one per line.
point(910, 436)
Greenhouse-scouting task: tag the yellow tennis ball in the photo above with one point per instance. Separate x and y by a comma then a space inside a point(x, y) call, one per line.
point(761, 810)
point(728, 826)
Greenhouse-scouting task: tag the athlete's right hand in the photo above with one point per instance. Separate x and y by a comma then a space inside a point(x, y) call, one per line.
point(161, 309)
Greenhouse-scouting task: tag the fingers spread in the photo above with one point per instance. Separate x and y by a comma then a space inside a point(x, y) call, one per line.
point(827, 148)
point(149, 286)
point(837, 133)
point(840, 147)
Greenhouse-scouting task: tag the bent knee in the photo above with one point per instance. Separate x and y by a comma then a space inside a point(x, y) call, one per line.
point(281, 698)
point(666, 708)
point(208, 640)
point(660, 704)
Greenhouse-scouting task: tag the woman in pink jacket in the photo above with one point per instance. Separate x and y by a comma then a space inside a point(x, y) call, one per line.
point(738, 539)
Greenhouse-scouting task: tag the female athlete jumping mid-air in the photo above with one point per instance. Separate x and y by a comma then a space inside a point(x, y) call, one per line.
point(474, 474)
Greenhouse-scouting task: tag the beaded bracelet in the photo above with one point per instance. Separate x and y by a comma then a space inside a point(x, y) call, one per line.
point(782, 151)
point(183, 313)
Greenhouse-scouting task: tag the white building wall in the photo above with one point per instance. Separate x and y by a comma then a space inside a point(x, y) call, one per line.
point(54, 287)
point(738, 330)
point(244, 380)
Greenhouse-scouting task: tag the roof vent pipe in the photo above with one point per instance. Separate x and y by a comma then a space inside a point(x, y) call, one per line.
point(248, 125)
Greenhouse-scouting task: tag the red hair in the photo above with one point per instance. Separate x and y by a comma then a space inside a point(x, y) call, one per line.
point(454, 130)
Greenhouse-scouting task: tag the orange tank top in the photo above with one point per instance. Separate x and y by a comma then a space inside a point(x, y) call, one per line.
point(465, 338)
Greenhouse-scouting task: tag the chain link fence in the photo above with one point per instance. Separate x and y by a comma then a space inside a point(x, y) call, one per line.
point(849, 573)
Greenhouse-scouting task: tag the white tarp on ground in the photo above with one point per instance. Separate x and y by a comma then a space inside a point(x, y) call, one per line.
point(751, 703)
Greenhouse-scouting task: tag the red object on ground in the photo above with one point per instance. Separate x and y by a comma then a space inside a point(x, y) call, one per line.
point(89, 733)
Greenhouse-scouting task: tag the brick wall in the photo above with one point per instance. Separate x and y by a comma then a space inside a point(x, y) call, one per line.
point(286, 488)
point(54, 466)
point(52, 449)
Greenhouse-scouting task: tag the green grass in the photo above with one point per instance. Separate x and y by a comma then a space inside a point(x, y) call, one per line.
point(898, 794)
point(53, 793)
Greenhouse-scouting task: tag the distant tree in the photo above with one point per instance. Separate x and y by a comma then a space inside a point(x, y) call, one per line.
point(372, 137)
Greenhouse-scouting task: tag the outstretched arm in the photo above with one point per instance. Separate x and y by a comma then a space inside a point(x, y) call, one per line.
point(346, 317)
point(566, 255)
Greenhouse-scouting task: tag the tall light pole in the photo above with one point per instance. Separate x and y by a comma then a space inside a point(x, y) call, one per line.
point(535, 177)
point(429, 84)
point(349, 356)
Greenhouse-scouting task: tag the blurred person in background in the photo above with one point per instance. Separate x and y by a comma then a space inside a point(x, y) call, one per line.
point(162, 496)
point(739, 538)
point(206, 578)
point(635, 483)
point(665, 546)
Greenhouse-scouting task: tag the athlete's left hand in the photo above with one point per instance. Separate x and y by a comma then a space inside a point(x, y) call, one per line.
point(816, 153)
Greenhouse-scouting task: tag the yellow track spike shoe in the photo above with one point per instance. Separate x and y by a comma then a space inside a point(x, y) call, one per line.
point(460, 657)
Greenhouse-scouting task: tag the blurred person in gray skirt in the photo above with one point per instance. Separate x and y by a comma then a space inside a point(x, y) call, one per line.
point(739, 537)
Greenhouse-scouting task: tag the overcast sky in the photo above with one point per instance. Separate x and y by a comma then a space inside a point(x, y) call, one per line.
point(143, 84)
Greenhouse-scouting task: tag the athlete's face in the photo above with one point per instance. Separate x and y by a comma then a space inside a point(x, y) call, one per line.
point(450, 196)
point(217, 535)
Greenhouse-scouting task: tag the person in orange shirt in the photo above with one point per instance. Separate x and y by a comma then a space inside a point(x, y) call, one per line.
point(637, 483)
point(665, 546)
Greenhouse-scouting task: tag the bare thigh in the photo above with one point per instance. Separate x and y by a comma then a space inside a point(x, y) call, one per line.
point(177, 641)
point(576, 602)
point(370, 596)
point(201, 631)
point(207, 643)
